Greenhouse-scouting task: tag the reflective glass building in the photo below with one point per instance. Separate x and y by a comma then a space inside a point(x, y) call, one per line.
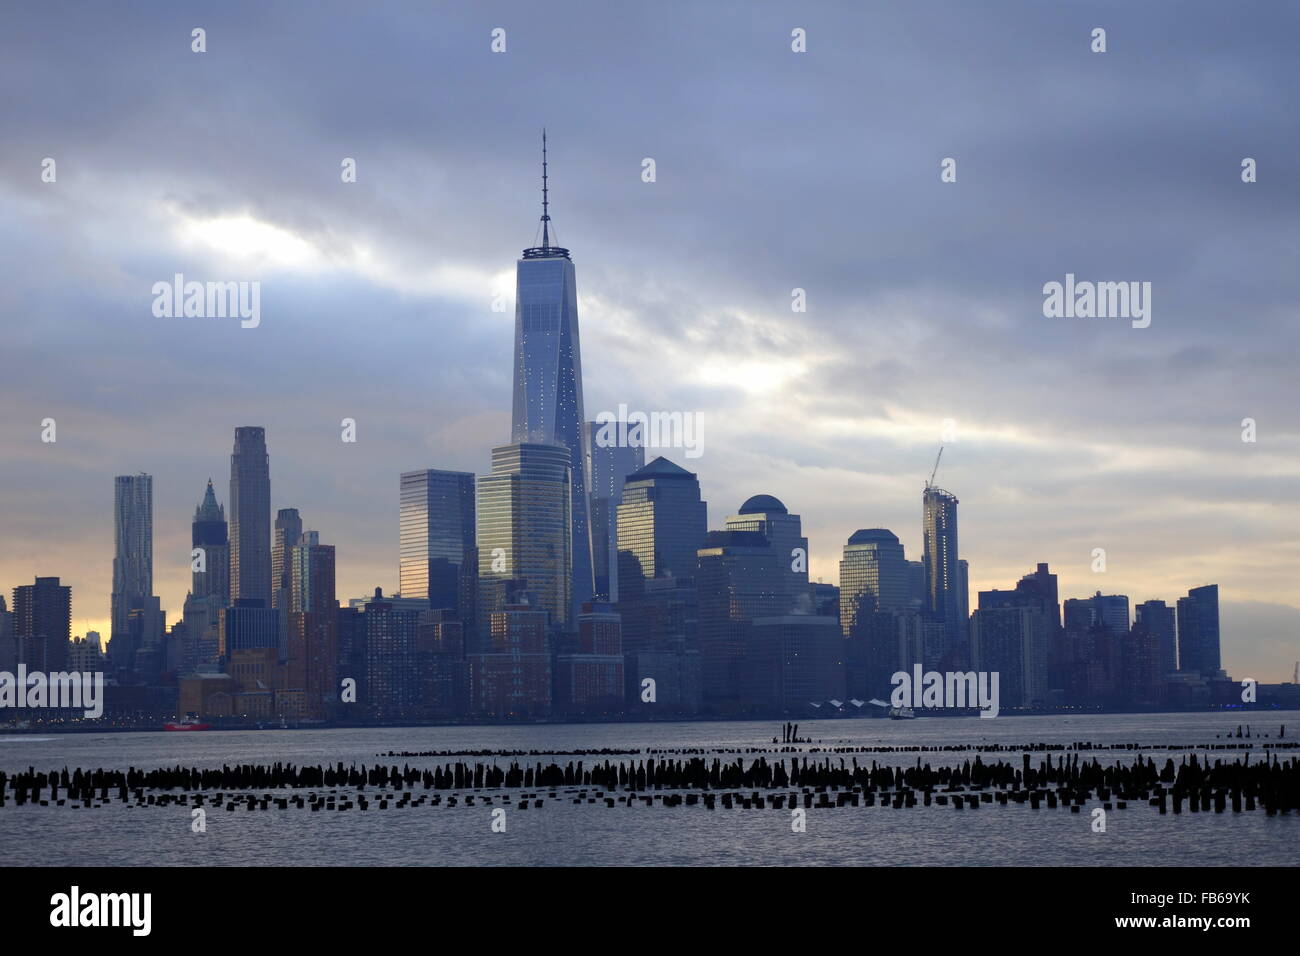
point(524, 525)
point(437, 539)
point(943, 586)
point(1198, 631)
point(548, 383)
point(874, 576)
point(661, 525)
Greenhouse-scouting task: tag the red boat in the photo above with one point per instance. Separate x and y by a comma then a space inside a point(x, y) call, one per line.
point(189, 723)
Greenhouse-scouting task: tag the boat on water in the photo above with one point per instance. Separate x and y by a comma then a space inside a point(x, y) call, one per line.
point(189, 723)
point(902, 713)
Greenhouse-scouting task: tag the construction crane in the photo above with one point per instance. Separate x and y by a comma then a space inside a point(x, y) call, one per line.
point(935, 471)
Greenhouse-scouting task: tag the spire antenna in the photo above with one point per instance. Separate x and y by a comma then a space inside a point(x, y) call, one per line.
point(546, 250)
point(546, 216)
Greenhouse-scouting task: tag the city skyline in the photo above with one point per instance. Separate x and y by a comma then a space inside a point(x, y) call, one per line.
point(1044, 474)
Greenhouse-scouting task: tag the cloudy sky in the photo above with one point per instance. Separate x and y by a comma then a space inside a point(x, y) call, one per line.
point(775, 170)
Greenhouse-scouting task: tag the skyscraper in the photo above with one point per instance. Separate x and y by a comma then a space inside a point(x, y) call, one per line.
point(287, 534)
point(1198, 631)
point(312, 646)
point(250, 517)
point(136, 616)
point(209, 533)
point(523, 531)
point(873, 576)
point(767, 515)
point(437, 560)
point(133, 546)
point(662, 524)
point(879, 622)
point(42, 624)
point(611, 463)
point(548, 382)
point(1157, 619)
point(943, 584)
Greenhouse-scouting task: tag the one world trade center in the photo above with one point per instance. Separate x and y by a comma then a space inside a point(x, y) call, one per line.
point(548, 378)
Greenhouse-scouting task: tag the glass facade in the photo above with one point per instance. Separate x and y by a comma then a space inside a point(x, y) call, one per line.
point(548, 391)
point(287, 534)
point(942, 575)
point(524, 526)
point(1198, 631)
point(437, 538)
point(610, 466)
point(874, 576)
point(661, 525)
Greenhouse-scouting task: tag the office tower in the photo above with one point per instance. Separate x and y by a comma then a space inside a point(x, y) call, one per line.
point(42, 624)
point(589, 677)
point(523, 528)
point(881, 626)
point(1011, 641)
point(512, 677)
point(616, 451)
point(548, 384)
point(1198, 631)
point(132, 570)
point(246, 625)
point(873, 576)
point(286, 535)
point(784, 531)
point(942, 573)
point(438, 561)
point(739, 579)
point(1095, 629)
point(311, 644)
point(250, 517)
point(793, 665)
point(662, 523)
point(208, 533)
point(1157, 619)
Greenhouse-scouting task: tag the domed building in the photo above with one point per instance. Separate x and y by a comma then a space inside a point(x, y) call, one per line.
point(767, 515)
